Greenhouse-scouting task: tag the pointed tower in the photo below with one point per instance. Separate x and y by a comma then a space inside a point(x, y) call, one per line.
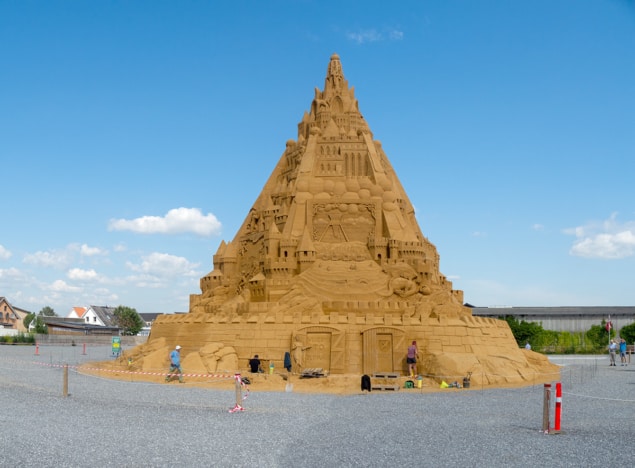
point(333, 190)
point(331, 266)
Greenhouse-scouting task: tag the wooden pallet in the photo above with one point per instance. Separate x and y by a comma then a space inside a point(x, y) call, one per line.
point(312, 373)
point(391, 387)
point(386, 375)
point(386, 381)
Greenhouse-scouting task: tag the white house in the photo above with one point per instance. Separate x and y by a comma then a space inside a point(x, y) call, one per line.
point(77, 312)
point(99, 315)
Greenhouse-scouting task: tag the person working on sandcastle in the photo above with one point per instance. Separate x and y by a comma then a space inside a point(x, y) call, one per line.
point(175, 365)
point(254, 365)
point(411, 359)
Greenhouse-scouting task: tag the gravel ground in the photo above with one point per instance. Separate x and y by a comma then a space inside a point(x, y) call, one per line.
point(119, 423)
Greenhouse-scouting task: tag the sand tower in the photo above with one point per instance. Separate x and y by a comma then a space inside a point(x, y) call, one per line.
point(330, 266)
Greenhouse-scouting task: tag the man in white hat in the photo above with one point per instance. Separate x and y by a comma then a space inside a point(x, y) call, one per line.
point(175, 365)
point(612, 350)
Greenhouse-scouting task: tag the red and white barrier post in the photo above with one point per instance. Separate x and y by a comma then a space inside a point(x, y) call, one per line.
point(37, 349)
point(84, 352)
point(239, 394)
point(558, 407)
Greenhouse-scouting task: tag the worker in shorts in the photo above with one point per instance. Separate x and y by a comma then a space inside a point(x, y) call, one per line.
point(175, 365)
point(411, 359)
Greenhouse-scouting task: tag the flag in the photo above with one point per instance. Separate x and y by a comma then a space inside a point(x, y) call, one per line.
point(609, 325)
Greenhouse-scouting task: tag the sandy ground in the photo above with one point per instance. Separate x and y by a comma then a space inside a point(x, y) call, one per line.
point(344, 384)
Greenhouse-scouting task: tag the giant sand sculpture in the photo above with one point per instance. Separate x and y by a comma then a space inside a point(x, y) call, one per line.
point(330, 266)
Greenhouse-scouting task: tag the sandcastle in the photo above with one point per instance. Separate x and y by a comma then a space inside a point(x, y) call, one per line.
point(330, 266)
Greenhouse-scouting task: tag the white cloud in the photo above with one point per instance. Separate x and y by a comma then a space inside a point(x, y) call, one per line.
point(54, 258)
point(81, 275)
point(62, 258)
point(608, 239)
point(164, 265)
point(87, 251)
point(362, 37)
point(10, 274)
point(176, 221)
point(395, 35)
point(148, 281)
point(538, 227)
point(4, 253)
point(61, 286)
point(372, 35)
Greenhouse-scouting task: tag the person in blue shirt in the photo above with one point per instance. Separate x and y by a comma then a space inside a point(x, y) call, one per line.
point(175, 365)
point(623, 352)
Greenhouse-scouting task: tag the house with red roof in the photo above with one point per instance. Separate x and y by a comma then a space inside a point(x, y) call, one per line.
point(77, 312)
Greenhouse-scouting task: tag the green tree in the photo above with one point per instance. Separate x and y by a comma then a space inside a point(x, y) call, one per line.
point(628, 333)
point(47, 312)
point(128, 320)
point(38, 323)
point(28, 319)
point(544, 340)
point(598, 336)
point(523, 331)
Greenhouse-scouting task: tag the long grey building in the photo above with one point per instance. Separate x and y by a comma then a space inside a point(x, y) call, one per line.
point(571, 319)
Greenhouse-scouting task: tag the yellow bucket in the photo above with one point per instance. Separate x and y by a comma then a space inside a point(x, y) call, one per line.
point(419, 383)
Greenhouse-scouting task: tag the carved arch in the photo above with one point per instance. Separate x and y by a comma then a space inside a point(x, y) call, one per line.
point(337, 106)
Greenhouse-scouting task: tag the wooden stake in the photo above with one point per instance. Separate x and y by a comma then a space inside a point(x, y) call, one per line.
point(65, 384)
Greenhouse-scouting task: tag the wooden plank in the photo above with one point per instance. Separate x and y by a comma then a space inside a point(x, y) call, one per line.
point(385, 387)
point(386, 375)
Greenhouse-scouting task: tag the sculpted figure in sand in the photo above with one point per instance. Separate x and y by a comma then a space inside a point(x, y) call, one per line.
point(298, 355)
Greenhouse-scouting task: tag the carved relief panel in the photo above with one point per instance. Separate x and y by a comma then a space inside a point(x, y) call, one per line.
point(318, 347)
point(343, 222)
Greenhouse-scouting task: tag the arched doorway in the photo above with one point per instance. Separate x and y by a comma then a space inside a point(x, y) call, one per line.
point(383, 349)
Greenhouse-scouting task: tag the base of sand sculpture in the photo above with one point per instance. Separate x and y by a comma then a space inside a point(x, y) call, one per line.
point(360, 338)
point(133, 365)
point(365, 339)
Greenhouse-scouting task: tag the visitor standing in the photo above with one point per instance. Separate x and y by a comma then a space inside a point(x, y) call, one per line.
point(623, 352)
point(175, 365)
point(612, 349)
point(411, 359)
point(528, 346)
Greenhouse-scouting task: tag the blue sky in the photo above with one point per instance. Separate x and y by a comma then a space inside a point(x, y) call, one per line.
point(134, 137)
